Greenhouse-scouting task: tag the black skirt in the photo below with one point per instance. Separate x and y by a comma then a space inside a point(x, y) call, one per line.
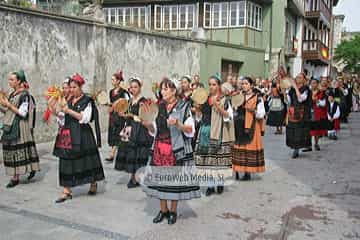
point(134, 154)
point(276, 118)
point(81, 167)
point(298, 135)
point(130, 159)
point(116, 124)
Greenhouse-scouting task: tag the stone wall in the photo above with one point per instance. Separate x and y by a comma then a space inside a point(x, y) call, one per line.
point(49, 47)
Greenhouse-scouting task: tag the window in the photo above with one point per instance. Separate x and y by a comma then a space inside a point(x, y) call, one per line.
point(216, 15)
point(220, 15)
point(112, 15)
point(190, 16)
point(232, 14)
point(175, 17)
point(135, 17)
point(166, 15)
point(127, 13)
point(142, 22)
point(157, 17)
point(120, 18)
point(182, 13)
point(128, 16)
point(254, 15)
point(207, 14)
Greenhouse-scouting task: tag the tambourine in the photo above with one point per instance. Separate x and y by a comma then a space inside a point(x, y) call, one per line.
point(121, 105)
point(102, 98)
point(148, 111)
point(237, 100)
point(199, 96)
point(3, 95)
point(285, 83)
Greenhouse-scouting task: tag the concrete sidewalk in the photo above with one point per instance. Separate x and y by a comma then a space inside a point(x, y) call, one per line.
point(316, 196)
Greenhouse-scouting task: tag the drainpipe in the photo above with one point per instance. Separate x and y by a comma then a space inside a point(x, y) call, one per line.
point(270, 40)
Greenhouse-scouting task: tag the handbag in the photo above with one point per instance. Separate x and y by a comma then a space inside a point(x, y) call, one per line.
point(63, 139)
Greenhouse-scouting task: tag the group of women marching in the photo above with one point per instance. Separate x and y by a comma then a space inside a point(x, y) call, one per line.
point(310, 109)
point(217, 131)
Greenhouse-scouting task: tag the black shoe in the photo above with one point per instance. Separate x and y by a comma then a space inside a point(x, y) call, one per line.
point(93, 193)
point(307, 149)
point(132, 184)
point(67, 196)
point(295, 154)
point(237, 177)
point(12, 183)
point(31, 175)
point(110, 160)
point(317, 147)
point(220, 189)
point(246, 177)
point(209, 191)
point(172, 218)
point(160, 217)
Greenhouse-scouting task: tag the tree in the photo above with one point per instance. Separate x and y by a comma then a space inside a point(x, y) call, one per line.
point(348, 53)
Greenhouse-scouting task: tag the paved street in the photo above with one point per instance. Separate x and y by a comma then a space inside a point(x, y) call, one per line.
point(316, 196)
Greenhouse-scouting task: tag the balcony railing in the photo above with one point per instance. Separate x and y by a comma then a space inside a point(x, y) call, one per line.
point(315, 50)
point(315, 8)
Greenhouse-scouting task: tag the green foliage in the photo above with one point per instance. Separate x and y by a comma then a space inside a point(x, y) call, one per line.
point(348, 52)
point(21, 3)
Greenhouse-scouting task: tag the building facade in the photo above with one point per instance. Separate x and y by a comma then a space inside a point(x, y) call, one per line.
point(317, 40)
point(240, 28)
point(257, 36)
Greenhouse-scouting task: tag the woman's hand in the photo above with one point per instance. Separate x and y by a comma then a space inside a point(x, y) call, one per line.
point(65, 108)
point(172, 121)
point(5, 102)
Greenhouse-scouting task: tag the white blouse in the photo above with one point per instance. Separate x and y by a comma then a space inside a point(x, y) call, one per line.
point(301, 99)
point(230, 116)
point(337, 112)
point(260, 109)
point(85, 116)
point(24, 108)
point(189, 122)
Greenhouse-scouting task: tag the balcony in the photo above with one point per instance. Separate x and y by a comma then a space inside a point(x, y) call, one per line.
point(316, 9)
point(315, 52)
point(297, 7)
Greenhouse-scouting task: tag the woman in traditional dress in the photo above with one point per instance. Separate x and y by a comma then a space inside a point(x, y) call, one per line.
point(135, 142)
point(186, 91)
point(19, 150)
point(75, 145)
point(116, 122)
point(216, 135)
point(277, 109)
point(173, 130)
point(248, 150)
point(196, 83)
point(298, 128)
point(319, 123)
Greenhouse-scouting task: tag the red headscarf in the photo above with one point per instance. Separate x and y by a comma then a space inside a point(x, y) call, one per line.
point(119, 76)
point(79, 79)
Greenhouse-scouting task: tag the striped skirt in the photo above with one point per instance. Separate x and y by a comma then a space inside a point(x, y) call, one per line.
point(249, 157)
